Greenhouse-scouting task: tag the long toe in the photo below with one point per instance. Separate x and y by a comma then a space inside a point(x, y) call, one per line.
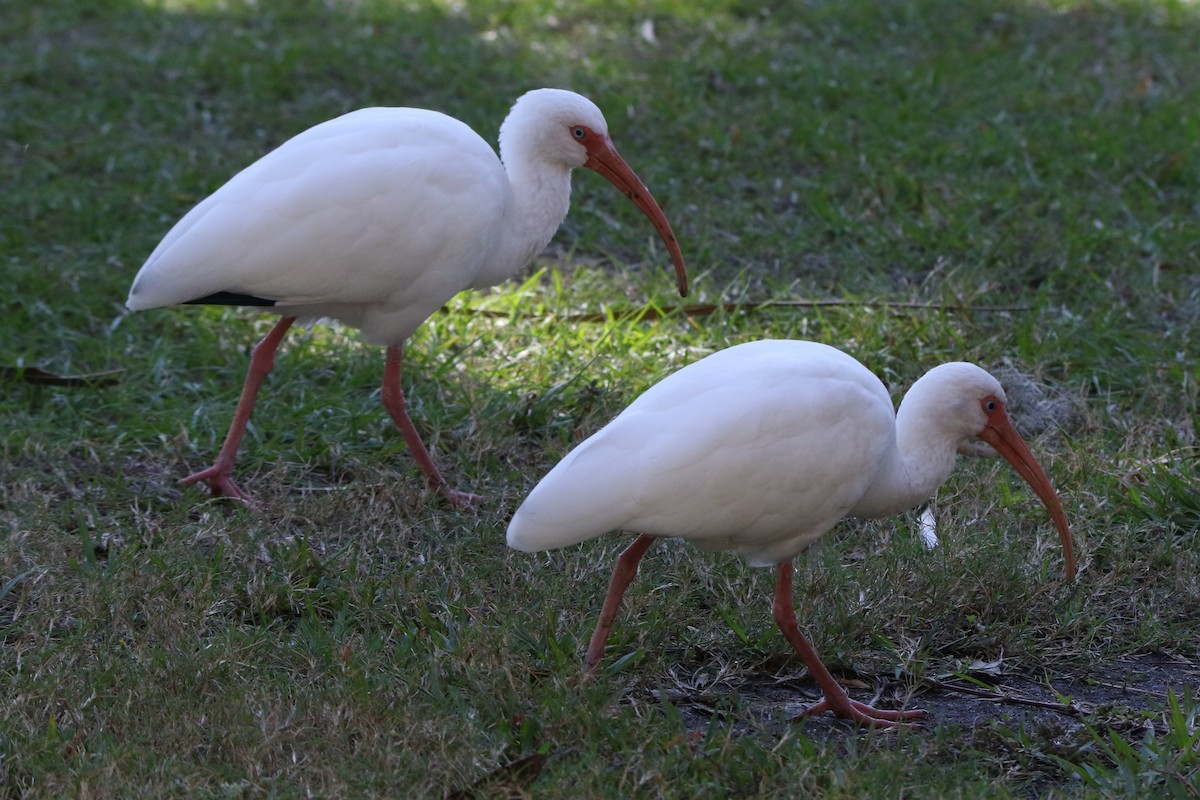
point(888, 714)
point(464, 500)
point(220, 484)
point(864, 714)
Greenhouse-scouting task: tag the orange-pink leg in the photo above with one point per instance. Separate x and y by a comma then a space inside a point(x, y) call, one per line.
point(836, 699)
point(393, 401)
point(219, 476)
point(623, 574)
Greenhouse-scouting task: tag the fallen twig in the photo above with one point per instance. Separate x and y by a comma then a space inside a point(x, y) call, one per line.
point(40, 377)
point(704, 309)
point(1127, 688)
point(1071, 709)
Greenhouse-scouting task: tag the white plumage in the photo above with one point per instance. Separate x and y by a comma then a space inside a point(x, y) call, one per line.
point(761, 449)
point(720, 453)
point(345, 220)
point(377, 218)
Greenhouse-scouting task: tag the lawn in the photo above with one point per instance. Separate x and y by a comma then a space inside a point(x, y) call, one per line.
point(1011, 183)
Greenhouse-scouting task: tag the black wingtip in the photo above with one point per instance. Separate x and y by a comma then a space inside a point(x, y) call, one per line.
point(229, 299)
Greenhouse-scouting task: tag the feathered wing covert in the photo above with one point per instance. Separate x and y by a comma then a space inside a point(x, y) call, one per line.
point(312, 226)
point(721, 453)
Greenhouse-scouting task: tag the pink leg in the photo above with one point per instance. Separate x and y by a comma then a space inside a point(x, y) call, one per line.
point(219, 475)
point(623, 573)
point(393, 401)
point(836, 699)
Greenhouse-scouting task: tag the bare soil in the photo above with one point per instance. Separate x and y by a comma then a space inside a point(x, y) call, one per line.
point(1120, 694)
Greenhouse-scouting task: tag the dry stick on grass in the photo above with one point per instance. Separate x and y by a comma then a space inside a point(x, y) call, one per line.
point(704, 309)
point(40, 377)
point(1071, 709)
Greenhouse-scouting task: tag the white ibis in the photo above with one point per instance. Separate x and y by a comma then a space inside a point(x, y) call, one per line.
point(376, 219)
point(760, 449)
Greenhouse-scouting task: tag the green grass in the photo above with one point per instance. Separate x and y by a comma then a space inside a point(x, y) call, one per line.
point(1037, 162)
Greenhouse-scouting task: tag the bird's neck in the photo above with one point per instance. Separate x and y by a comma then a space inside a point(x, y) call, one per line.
point(915, 465)
point(541, 196)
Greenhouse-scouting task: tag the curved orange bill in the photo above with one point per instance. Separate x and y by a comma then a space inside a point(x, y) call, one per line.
point(1001, 435)
point(604, 158)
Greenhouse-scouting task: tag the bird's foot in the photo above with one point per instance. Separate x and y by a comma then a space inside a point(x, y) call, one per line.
point(220, 482)
point(459, 499)
point(865, 714)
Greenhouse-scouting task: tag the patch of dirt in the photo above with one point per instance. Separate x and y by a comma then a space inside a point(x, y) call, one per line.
point(1109, 693)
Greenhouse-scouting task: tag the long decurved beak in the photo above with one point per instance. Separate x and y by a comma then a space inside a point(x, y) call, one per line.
point(1001, 435)
point(604, 158)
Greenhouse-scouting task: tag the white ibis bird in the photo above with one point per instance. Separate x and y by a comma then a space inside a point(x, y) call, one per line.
point(761, 449)
point(376, 219)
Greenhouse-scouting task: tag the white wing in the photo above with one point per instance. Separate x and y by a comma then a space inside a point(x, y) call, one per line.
point(760, 448)
point(377, 204)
